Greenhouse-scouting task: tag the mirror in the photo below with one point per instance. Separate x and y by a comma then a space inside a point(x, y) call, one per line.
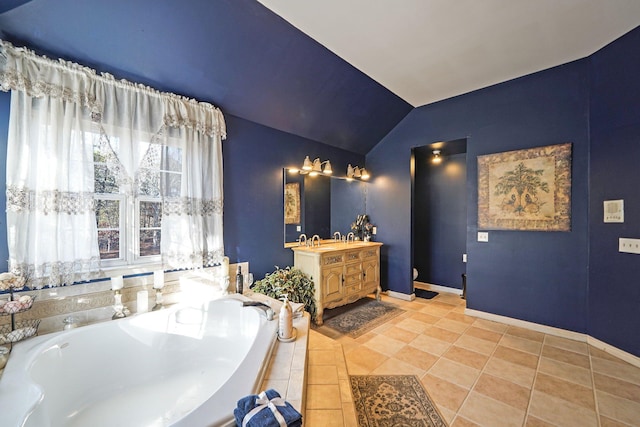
point(320, 204)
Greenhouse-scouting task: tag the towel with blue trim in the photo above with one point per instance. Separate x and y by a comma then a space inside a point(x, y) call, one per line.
point(266, 409)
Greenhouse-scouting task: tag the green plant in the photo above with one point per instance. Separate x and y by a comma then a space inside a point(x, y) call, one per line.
point(292, 282)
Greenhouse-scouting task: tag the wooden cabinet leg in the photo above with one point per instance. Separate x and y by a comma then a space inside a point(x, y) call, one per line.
point(378, 290)
point(319, 313)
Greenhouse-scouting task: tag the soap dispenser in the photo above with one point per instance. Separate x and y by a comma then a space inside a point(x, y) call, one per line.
point(285, 326)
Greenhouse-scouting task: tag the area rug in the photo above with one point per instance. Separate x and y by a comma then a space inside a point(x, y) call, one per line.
point(393, 400)
point(357, 318)
point(423, 293)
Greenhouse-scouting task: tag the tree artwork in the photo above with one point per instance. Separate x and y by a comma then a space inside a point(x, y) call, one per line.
point(519, 182)
point(525, 189)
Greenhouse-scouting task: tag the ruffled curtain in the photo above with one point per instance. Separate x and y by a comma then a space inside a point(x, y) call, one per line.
point(57, 108)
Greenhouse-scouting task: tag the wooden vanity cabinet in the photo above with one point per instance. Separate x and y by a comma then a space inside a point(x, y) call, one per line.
point(341, 274)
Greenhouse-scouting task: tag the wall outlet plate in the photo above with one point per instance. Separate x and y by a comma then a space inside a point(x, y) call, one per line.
point(483, 236)
point(630, 246)
point(464, 257)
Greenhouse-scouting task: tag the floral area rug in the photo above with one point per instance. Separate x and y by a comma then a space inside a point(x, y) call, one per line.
point(393, 401)
point(357, 318)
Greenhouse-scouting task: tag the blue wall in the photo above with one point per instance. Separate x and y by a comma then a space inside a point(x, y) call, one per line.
point(254, 156)
point(534, 276)
point(614, 284)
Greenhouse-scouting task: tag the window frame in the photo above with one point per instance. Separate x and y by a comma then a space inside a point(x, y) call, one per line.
point(129, 223)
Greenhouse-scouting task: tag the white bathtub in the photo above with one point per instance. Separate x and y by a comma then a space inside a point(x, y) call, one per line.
point(183, 366)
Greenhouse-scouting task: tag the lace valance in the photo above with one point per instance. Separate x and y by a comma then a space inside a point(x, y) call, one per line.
point(21, 69)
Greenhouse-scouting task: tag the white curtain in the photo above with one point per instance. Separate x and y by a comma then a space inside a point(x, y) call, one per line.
point(56, 108)
point(192, 221)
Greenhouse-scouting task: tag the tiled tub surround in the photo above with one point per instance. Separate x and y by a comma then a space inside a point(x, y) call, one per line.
point(92, 302)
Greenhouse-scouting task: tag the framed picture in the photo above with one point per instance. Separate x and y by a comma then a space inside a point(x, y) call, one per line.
point(525, 189)
point(292, 203)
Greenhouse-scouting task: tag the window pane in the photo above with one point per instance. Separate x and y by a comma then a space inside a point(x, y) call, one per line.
point(149, 182)
point(108, 213)
point(149, 242)
point(102, 148)
point(171, 182)
point(104, 180)
point(172, 159)
point(150, 214)
point(109, 244)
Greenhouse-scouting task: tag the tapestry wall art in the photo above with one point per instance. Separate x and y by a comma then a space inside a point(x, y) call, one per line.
point(525, 189)
point(292, 203)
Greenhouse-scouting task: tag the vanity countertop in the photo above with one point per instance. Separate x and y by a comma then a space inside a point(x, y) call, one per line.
point(330, 245)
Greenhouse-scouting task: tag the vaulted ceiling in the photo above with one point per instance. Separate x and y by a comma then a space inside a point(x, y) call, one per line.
point(340, 72)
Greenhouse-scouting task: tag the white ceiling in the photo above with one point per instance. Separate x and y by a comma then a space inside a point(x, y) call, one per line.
point(428, 50)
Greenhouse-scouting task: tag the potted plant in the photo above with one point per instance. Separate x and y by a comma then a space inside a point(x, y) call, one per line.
point(292, 282)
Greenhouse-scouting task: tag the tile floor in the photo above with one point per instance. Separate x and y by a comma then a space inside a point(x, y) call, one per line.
point(479, 373)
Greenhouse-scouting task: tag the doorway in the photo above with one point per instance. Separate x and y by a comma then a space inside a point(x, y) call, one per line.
point(439, 215)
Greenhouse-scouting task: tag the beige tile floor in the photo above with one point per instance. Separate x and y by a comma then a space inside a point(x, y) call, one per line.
point(479, 373)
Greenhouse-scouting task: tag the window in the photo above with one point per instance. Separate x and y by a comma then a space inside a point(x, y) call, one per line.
point(129, 214)
point(106, 173)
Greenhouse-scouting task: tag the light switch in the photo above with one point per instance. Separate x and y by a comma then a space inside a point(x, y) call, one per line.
point(483, 236)
point(298, 228)
point(464, 257)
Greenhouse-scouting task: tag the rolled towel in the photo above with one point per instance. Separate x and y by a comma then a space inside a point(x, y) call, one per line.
point(265, 410)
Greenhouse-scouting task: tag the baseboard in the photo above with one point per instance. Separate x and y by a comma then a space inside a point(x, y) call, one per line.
point(400, 295)
point(558, 332)
point(438, 288)
point(614, 351)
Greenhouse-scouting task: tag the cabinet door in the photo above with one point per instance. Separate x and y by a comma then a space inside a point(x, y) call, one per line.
point(331, 283)
point(370, 273)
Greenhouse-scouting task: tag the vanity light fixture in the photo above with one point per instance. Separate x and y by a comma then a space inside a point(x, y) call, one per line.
point(313, 168)
point(356, 172)
point(436, 157)
point(307, 165)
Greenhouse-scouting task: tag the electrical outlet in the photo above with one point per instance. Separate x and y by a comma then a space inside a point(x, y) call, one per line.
point(483, 236)
point(464, 257)
point(631, 246)
point(298, 228)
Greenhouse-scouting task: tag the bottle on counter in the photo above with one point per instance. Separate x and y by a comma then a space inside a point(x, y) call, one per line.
point(239, 281)
point(285, 326)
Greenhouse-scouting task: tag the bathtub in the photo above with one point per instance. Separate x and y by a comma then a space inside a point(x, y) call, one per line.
point(182, 366)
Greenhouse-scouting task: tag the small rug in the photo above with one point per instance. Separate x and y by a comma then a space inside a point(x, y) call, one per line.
point(393, 400)
point(423, 293)
point(357, 318)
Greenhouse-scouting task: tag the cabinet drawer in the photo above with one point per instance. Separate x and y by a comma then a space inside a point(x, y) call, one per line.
point(351, 279)
point(350, 269)
point(332, 259)
point(353, 289)
point(352, 256)
point(369, 253)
